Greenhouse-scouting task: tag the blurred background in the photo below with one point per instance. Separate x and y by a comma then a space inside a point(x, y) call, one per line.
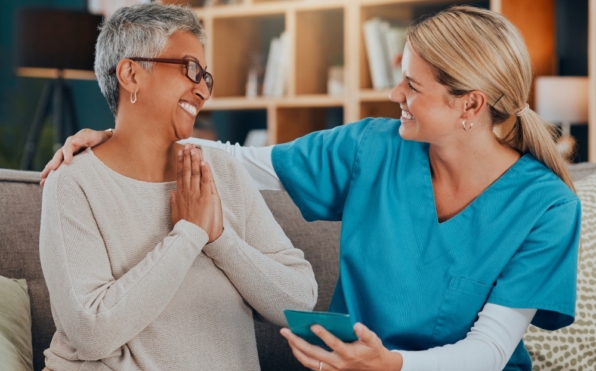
point(281, 68)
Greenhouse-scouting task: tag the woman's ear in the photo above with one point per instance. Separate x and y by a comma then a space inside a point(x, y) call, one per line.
point(128, 75)
point(474, 104)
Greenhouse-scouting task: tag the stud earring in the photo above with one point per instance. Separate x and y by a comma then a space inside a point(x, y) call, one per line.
point(133, 101)
point(463, 123)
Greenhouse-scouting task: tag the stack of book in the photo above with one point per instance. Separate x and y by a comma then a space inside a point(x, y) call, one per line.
point(384, 46)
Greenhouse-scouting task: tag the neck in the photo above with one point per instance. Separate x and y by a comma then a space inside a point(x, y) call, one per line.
point(140, 153)
point(473, 157)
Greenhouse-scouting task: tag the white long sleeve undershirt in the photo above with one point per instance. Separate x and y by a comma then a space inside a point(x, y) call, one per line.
point(489, 344)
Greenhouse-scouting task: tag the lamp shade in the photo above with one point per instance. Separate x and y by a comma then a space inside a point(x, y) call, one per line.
point(61, 39)
point(562, 99)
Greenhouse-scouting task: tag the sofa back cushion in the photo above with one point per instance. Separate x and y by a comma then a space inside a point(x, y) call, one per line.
point(20, 214)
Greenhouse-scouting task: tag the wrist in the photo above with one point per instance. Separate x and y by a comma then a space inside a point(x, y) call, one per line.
point(223, 245)
point(216, 235)
point(394, 361)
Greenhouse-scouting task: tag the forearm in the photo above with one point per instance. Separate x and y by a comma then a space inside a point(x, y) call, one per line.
point(256, 160)
point(99, 313)
point(488, 346)
point(269, 282)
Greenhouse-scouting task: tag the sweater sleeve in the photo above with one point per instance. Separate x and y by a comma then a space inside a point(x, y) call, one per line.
point(98, 312)
point(270, 274)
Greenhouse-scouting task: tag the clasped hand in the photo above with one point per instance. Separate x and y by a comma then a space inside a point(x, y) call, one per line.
point(196, 199)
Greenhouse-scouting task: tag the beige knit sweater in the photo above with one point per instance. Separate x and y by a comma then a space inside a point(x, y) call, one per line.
point(129, 291)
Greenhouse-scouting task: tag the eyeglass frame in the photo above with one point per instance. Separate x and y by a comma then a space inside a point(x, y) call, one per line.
point(184, 61)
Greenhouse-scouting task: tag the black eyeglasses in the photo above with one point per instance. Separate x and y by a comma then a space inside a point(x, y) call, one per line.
point(194, 71)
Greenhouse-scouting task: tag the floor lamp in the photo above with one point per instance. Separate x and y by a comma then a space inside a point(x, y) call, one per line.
point(55, 44)
point(564, 100)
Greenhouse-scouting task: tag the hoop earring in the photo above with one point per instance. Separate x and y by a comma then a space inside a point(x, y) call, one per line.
point(133, 101)
point(463, 123)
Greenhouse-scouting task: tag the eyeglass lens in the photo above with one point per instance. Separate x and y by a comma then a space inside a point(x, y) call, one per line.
point(195, 73)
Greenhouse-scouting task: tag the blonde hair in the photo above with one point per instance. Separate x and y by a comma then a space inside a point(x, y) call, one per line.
point(477, 49)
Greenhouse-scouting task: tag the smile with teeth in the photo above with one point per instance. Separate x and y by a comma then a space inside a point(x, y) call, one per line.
point(188, 108)
point(407, 115)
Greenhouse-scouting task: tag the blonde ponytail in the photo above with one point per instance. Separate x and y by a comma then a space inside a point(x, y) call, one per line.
point(532, 134)
point(477, 49)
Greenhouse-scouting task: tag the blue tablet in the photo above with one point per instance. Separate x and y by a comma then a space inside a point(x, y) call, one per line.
point(340, 325)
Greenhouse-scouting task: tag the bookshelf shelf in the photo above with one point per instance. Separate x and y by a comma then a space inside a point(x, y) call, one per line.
point(322, 34)
point(314, 100)
point(214, 104)
point(371, 95)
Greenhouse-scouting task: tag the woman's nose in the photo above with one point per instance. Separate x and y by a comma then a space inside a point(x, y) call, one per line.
point(396, 95)
point(202, 91)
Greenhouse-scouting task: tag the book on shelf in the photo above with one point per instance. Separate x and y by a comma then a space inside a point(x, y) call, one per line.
point(271, 66)
point(384, 44)
point(281, 78)
point(396, 41)
point(276, 70)
point(256, 72)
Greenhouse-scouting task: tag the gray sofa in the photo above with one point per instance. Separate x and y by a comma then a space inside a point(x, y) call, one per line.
point(20, 209)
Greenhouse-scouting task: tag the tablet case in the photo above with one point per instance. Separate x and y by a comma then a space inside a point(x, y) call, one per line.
point(340, 325)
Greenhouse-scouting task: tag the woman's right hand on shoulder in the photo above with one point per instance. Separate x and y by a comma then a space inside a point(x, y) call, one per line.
point(196, 199)
point(73, 145)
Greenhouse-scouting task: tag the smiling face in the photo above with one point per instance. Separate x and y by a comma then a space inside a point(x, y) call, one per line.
point(429, 113)
point(169, 98)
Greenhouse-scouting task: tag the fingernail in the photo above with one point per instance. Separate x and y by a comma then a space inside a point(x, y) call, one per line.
point(180, 153)
point(193, 151)
point(202, 163)
point(315, 329)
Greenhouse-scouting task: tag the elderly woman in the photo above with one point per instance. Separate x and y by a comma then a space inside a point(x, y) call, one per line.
point(149, 267)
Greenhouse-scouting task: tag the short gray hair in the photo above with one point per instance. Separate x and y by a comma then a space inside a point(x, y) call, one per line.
point(143, 31)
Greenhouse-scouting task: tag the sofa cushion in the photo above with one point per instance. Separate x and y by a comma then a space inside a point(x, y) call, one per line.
point(574, 347)
point(20, 205)
point(581, 170)
point(16, 352)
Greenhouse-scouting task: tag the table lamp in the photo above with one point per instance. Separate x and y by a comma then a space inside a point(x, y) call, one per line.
point(564, 100)
point(56, 44)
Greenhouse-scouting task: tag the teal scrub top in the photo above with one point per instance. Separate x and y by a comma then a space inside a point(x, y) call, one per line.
point(418, 283)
